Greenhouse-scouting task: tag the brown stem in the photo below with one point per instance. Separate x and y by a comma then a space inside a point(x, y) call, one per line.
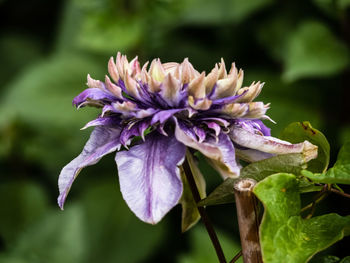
point(318, 198)
point(235, 258)
point(210, 229)
point(339, 193)
point(248, 220)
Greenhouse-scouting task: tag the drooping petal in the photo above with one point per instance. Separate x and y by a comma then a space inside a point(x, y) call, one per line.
point(149, 177)
point(94, 95)
point(250, 155)
point(221, 150)
point(271, 145)
point(102, 141)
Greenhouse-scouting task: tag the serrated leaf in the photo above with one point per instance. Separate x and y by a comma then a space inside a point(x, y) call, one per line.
point(287, 163)
point(313, 51)
point(284, 235)
point(300, 131)
point(190, 214)
point(338, 174)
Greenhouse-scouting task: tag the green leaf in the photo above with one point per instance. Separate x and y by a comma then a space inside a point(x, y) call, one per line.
point(325, 259)
point(190, 214)
point(338, 174)
point(202, 250)
point(313, 51)
point(287, 163)
point(300, 131)
point(284, 235)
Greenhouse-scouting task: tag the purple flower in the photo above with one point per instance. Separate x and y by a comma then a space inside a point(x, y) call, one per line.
point(170, 107)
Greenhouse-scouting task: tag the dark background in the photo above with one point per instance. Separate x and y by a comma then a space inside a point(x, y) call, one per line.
point(300, 49)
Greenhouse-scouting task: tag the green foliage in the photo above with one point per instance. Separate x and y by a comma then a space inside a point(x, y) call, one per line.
point(284, 235)
point(288, 163)
point(300, 131)
point(28, 203)
point(190, 214)
point(202, 250)
point(297, 48)
point(81, 230)
point(313, 51)
point(338, 174)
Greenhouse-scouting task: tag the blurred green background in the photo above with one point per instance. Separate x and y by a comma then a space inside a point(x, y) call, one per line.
point(299, 48)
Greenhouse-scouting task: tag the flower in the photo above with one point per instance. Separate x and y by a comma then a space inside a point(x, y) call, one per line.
point(171, 106)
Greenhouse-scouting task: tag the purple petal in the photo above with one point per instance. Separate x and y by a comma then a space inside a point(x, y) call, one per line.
point(93, 94)
point(220, 150)
point(214, 126)
point(149, 177)
point(164, 115)
point(261, 126)
point(103, 121)
point(227, 100)
point(270, 144)
point(102, 141)
point(250, 155)
point(133, 129)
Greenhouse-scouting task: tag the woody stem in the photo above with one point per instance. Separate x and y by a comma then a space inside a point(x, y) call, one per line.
point(208, 225)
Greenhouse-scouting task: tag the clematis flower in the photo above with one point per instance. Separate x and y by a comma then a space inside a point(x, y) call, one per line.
point(154, 113)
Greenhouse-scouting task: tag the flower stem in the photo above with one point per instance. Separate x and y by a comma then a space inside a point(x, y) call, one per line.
point(208, 225)
point(235, 258)
point(339, 192)
point(248, 220)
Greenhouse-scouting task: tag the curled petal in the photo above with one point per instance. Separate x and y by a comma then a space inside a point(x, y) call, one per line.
point(102, 141)
point(250, 155)
point(272, 145)
point(114, 89)
point(199, 104)
point(94, 84)
point(112, 70)
point(188, 71)
point(93, 96)
point(252, 110)
point(103, 121)
point(220, 150)
point(225, 87)
point(222, 69)
point(196, 87)
point(171, 90)
point(250, 93)
point(164, 115)
point(156, 70)
point(211, 79)
point(150, 178)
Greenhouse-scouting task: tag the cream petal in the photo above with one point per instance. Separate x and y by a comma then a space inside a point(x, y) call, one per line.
point(114, 89)
point(196, 87)
point(112, 70)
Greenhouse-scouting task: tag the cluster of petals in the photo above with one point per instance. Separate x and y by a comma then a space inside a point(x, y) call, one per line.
point(152, 115)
